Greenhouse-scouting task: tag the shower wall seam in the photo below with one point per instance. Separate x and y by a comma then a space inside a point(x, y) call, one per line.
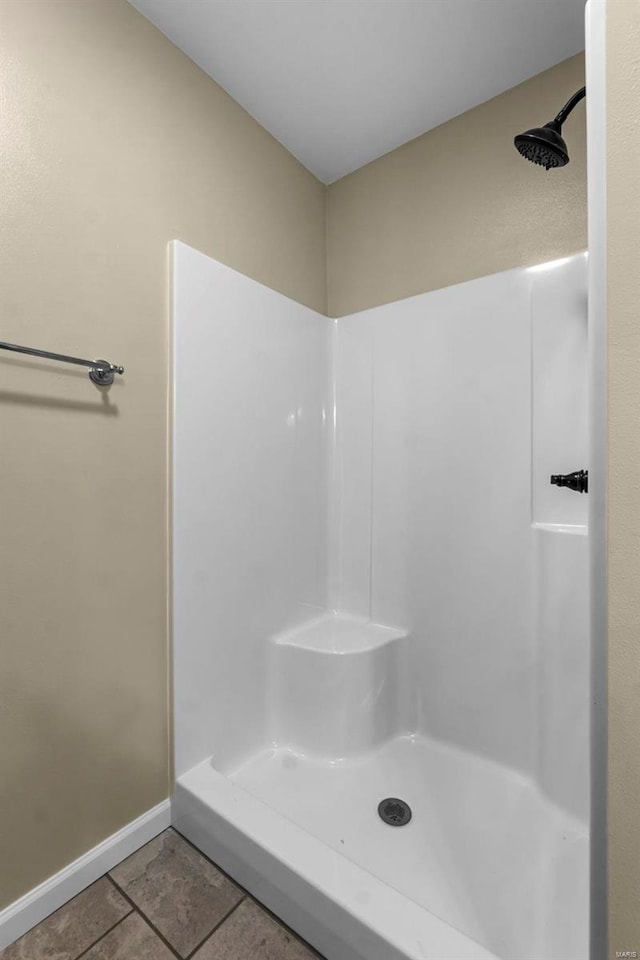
point(340, 599)
point(333, 473)
point(371, 475)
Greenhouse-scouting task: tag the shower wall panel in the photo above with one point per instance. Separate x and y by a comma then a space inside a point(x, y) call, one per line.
point(559, 358)
point(449, 473)
point(377, 593)
point(453, 409)
point(394, 466)
point(250, 496)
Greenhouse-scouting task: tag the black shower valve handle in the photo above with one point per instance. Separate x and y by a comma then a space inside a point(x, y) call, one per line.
point(578, 481)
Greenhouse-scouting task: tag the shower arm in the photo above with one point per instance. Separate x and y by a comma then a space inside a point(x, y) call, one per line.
point(569, 105)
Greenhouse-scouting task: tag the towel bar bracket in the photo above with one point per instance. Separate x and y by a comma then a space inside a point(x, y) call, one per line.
point(101, 372)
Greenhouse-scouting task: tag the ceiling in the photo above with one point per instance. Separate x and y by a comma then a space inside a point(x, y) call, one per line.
point(341, 82)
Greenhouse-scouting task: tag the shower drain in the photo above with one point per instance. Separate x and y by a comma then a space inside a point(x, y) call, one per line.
point(395, 812)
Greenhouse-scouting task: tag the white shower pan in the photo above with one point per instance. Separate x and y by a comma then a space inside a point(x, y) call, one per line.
point(484, 853)
point(378, 594)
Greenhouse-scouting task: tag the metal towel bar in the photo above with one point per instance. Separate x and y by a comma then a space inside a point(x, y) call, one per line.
point(100, 371)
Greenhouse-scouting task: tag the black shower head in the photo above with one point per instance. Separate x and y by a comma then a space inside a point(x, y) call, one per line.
point(545, 145)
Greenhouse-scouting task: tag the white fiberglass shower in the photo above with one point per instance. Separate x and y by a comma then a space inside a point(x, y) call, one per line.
point(378, 594)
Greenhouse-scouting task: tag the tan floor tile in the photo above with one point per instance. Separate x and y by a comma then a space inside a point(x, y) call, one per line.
point(251, 934)
point(133, 939)
point(181, 893)
point(74, 927)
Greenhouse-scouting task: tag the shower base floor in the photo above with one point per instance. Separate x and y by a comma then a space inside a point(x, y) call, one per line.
point(486, 852)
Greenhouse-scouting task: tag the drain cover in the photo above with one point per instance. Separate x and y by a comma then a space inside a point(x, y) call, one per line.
point(394, 812)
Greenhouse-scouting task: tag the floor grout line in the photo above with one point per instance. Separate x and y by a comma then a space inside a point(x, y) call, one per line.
point(146, 919)
point(212, 862)
point(217, 927)
point(105, 934)
point(66, 904)
point(280, 922)
point(135, 909)
point(247, 896)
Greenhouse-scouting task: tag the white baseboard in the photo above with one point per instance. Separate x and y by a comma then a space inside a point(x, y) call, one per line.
point(34, 906)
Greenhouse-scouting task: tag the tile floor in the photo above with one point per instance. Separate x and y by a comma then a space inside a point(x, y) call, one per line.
point(167, 900)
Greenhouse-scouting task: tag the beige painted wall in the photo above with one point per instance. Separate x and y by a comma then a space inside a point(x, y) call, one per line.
point(113, 143)
point(623, 296)
point(458, 202)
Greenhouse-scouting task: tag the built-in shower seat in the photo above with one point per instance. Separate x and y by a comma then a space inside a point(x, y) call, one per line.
point(339, 686)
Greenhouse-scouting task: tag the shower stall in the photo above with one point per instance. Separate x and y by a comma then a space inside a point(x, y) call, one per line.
point(385, 712)
point(378, 594)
